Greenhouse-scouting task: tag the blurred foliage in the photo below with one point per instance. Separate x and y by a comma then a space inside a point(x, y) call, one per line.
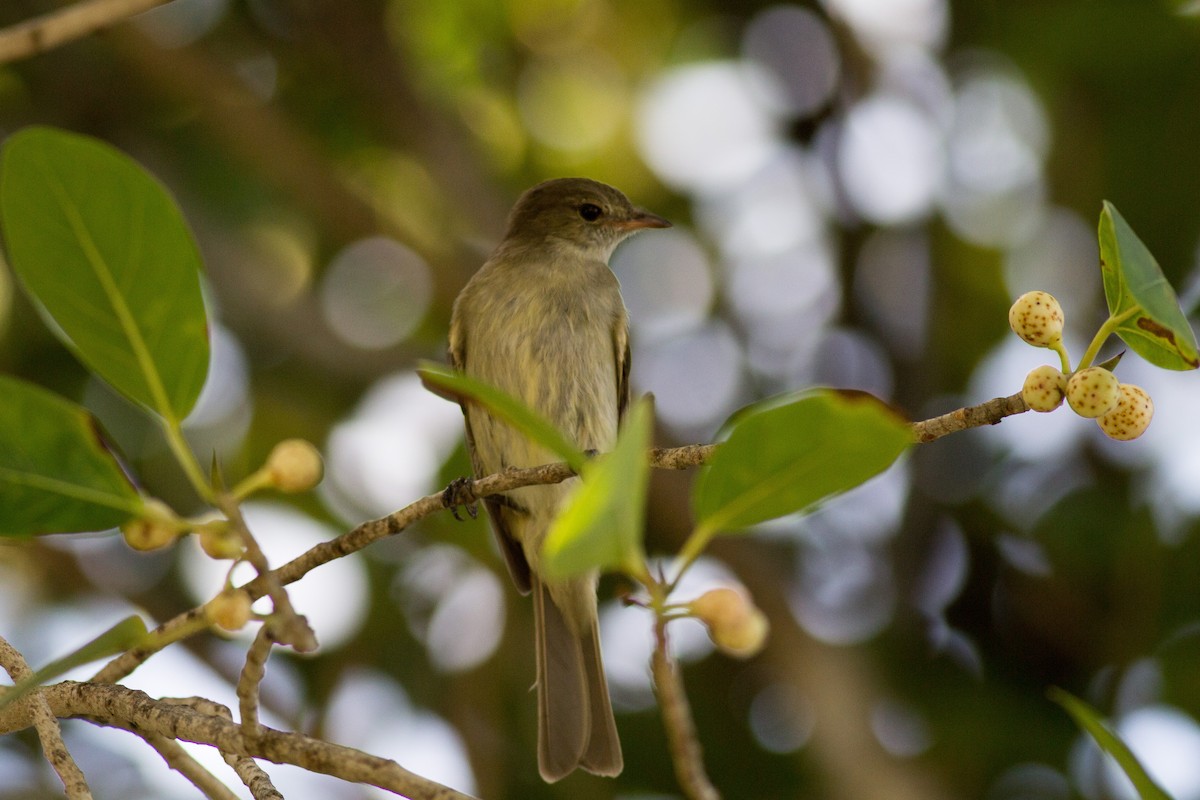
point(289, 131)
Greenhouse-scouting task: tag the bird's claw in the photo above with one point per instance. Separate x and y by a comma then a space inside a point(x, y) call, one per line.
point(461, 492)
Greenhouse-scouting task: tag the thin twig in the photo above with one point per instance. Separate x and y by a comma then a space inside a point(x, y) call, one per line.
point(677, 719)
point(250, 680)
point(182, 762)
point(988, 413)
point(50, 30)
point(130, 709)
point(367, 533)
point(248, 771)
point(289, 627)
point(46, 724)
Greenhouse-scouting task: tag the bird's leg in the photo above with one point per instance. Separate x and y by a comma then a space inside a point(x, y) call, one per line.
point(461, 492)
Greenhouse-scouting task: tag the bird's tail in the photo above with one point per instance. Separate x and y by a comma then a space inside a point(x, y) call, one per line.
point(575, 719)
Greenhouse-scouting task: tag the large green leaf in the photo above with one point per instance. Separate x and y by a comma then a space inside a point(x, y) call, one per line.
point(786, 454)
point(1090, 720)
point(451, 383)
point(1134, 285)
point(601, 527)
point(126, 634)
point(56, 474)
point(103, 248)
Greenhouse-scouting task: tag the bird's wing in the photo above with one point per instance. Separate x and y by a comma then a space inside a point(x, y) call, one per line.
point(622, 356)
point(514, 556)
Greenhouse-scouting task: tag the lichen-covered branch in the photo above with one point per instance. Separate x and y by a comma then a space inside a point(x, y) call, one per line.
point(133, 710)
point(45, 722)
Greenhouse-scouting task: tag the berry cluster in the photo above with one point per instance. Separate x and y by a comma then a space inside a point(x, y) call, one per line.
point(1122, 410)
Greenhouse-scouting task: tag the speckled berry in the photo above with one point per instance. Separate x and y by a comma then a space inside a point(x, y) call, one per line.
point(1044, 388)
point(1093, 392)
point(1131, 417)
point(1037, 318)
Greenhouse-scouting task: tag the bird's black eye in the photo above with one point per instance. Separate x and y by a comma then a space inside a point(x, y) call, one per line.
point(590, 212)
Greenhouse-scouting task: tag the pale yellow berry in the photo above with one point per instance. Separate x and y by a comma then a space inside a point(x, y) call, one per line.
point(1044, 388)
point(734, 623)
point(219, 541)
point(230, 610)
point(294, 466)
point(1131, 417)
point(1037, 318)
point(156, 527)
point(1093, 392)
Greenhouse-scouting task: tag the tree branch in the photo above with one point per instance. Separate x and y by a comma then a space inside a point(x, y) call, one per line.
point(130, 709)
point(988, 413)
point(50, 30)
point(46, 724)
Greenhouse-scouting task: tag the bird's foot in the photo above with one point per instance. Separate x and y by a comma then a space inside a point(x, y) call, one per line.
point(461, 492)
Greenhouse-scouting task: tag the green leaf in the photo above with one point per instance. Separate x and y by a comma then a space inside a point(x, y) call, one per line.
point(102, 247)
point(786, 454)
point(56, 473)
point(126, 634)
point(1090, 721)
point(1138, 293)
point(601, 526)
point(450, 383)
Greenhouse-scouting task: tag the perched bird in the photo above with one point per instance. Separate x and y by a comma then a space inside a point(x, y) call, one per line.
point(543, 320)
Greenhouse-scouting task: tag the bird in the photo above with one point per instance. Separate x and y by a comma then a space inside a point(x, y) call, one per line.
point(544, 321)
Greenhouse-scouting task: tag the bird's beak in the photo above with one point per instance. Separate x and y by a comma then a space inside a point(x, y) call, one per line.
point(643, 219)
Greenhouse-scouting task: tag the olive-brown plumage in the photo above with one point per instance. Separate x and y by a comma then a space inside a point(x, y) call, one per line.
point(543, 320)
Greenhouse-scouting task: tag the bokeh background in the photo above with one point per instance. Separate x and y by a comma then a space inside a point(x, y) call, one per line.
point(859, 189)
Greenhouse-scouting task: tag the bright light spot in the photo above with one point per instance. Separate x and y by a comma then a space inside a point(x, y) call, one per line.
point(453, 604)
point(376, 292)
point(891, 160)
point(849, 359)
point(797, 46)
point(845, 592)
point(222, 413)
point(707, 127)
point(994, 220)
point(575, 103)
point(944, 572)
point(796, 283)
point(892, 283)
point(886, 25)
point(260, 73)
point(628, 641)
point(284, 533)
point(696, 378)
point(783, 302)
point(1030, 782)
point(1000, 134)
point(281, 263)
point(774, 211)
point(666, 281)
point(372, 713)
point(390, 449)
point(181, 22)
point(1166, 741)
point(782, 721)
point(900, 729)
point(1060, 258)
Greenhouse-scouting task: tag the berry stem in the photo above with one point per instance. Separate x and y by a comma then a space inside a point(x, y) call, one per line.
point(1107, 329)
point(1063, 356)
